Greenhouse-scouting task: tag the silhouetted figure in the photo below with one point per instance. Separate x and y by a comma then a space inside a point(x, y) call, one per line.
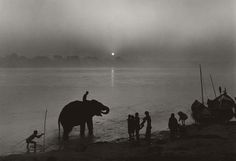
point(182, 117)
point(225, 91)
point(173, 126)
point(85, 96)
point(147, 119)
point(220, 90)
point(31, 138)
point(132, 126)
point(137, 125)
point(130, 122)
point(235, 108)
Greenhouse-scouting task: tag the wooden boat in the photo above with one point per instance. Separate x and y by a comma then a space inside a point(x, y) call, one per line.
point(220, 109)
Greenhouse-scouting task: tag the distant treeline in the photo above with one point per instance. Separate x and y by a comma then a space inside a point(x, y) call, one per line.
point(15, 60)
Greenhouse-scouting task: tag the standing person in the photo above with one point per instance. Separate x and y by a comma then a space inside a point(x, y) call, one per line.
point(182, 117)
point(137, 125)
point(147, 119)
point(173, 126)
point(85, 96)
point(220, 90)
point(30, 140)
point(132, 127)
point(225, 91)
point(129, 121)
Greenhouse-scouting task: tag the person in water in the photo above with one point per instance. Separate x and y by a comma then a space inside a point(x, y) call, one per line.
point(182, 117)
point(173, 126)
point(85, 96)
point(30, 140)
point(137, 125)
point(147, 119)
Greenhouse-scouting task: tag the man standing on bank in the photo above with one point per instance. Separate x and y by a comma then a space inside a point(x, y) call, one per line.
point(173, 126)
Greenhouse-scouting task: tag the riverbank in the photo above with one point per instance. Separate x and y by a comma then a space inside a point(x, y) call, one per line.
point(208, 143)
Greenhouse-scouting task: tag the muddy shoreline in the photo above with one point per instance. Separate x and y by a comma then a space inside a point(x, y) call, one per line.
point(206, 143)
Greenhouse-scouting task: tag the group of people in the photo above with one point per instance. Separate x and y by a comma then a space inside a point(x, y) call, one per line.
point(134, 126)
point(174, 126)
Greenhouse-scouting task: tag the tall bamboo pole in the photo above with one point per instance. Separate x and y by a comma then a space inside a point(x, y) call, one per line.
point(44, 129)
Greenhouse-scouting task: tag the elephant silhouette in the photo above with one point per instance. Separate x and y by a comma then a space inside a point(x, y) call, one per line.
point(80, 113)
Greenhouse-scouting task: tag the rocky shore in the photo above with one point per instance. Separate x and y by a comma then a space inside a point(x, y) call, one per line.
point(216, 142)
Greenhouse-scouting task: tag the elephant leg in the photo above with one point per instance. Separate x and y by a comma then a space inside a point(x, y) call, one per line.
point(82, 129)
point(66, 132)
point(90, 126)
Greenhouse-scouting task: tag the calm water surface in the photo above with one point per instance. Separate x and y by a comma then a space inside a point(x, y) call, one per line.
point(26, 93)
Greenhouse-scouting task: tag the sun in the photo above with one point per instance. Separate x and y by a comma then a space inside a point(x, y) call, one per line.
point(113, 54)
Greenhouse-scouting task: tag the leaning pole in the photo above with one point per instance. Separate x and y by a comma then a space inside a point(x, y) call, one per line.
point(44, 130)
point(212, 83)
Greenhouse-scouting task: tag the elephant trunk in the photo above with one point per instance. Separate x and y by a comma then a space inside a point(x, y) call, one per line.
point(105, 110)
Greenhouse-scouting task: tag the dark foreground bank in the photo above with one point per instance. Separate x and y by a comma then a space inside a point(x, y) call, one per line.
point(209, 143)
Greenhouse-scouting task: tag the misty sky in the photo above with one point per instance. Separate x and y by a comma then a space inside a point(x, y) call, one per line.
point(147, 29)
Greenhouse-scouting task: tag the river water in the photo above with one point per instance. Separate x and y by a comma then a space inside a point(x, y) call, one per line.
point(25, 94)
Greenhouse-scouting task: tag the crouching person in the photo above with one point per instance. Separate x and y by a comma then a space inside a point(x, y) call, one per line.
point(30, 140)
point(182, 117)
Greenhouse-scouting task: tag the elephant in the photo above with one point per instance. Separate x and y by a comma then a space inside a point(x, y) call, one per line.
point(79, 113)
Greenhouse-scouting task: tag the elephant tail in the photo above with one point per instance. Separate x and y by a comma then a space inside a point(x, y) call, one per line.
point(59, 131)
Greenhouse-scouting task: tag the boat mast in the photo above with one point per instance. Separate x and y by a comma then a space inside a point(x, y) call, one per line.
point(213, 85)
point(201, 84)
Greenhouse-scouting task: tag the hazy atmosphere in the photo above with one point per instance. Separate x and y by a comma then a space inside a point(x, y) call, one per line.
point(112, 80)
point(150, 32)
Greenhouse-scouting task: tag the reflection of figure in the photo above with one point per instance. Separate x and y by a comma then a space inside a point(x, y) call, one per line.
point(51, 158)
point(220, 90)
point(147, 119)
point(137, 125)
point(30, 140)
point(173, 126)
point(182, 117)
point(85, 96)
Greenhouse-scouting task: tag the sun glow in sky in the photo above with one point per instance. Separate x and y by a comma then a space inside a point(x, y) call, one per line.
point(148, 31)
